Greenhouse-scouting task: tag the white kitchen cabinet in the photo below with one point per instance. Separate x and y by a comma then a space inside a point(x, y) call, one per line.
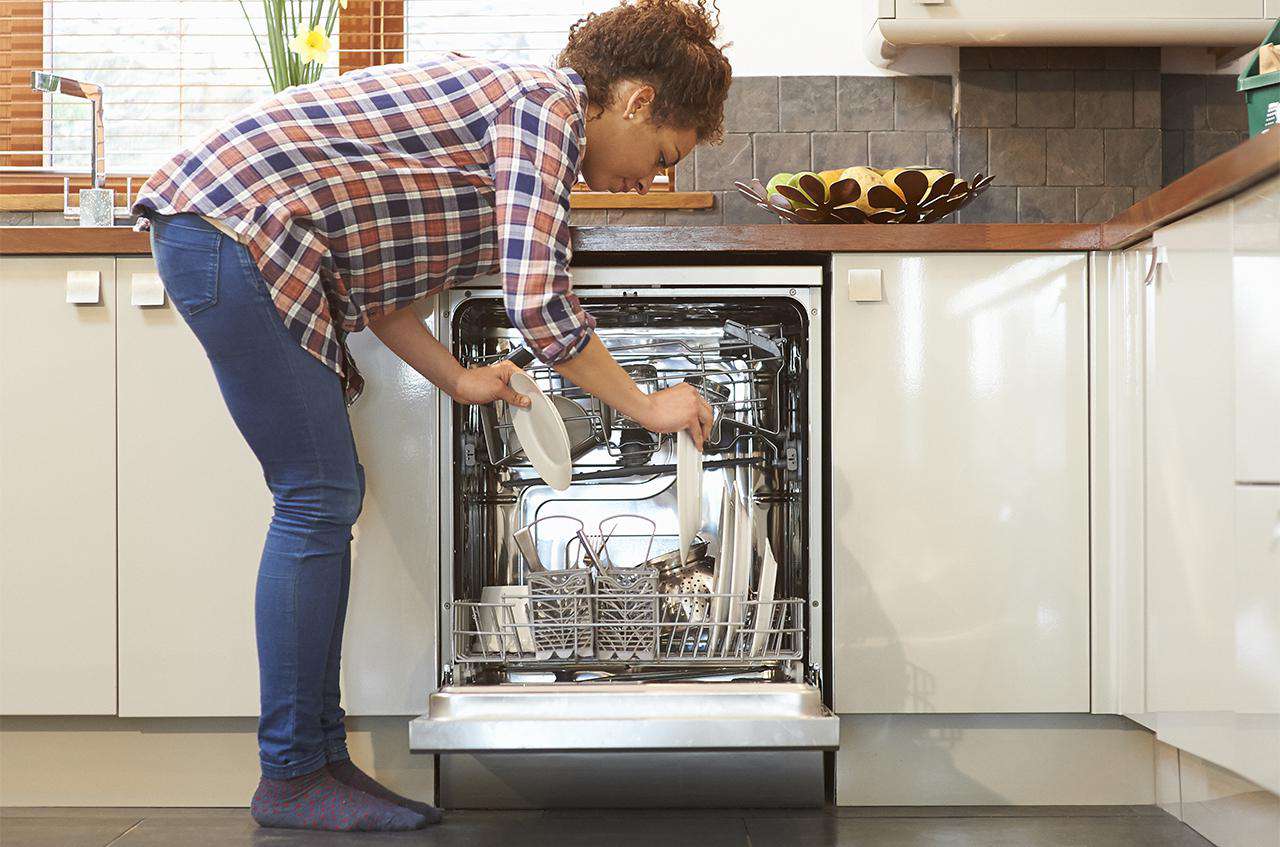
point(57, 487)
point(1190, 455)
point(959, 483)
point(1088, 9)
point(1256, 272)
point(1117, 374)
point(1257, 626)
point(193, 515)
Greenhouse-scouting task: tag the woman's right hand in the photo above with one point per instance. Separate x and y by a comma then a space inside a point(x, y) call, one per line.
point(676, 408)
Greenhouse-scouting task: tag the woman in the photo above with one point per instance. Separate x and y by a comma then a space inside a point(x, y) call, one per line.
point(333, 206)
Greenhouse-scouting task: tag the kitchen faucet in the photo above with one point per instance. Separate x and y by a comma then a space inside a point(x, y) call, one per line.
point(97, 202)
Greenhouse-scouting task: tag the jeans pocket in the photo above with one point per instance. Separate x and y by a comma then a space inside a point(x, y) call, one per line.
point(187, 260)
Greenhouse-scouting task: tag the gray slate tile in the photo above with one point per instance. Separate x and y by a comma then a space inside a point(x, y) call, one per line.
point(752, 104)
point(1131, 156)
point(1146, 98)
point(1203, 145)
point(922, 102)
point(1132, 57)
point(997, 205)
point(1182, 101)
point(718, 166)
point(781, 151)
point(1074, 157)
point(740, 210)
point(1017, 58)
point(971, 151)
point(1046, 98)
point(1104, 98)
point(1075, 58)
point(975, 58)
point(1097, 204)
point(15, 218)
point(685, 177)
point(975, 832)
point(1018, 156)
point(636, 217)
point(1173, 155)
point(807, 103)
point(1225, 108)
point(896, 149)
point(1044, 205)
point(864, 102)
point(940, 150)
point(839, 149)
point(988, 98)
point(65, 831)
point(713, 216)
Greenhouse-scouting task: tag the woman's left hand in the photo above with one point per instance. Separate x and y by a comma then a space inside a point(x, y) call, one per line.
point(486, 384)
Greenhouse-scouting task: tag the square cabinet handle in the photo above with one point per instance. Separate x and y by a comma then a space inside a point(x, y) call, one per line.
point(146, 290)
point(84, 287)
point(865, 286)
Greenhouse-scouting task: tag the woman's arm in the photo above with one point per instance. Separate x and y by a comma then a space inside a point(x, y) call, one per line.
point(670, 410)
point(409, 339)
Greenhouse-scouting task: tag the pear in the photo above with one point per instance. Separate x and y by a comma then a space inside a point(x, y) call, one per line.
point(778, 179)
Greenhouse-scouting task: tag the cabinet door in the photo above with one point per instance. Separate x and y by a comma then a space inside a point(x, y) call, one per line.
point(57, 489)
point(1190, 468)
point(959, 433)
point(389, 653)
point(194, 513)
point(1257, 627)
point(1256, 266)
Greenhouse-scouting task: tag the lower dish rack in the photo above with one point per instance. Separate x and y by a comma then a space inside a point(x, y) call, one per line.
point(582, 629)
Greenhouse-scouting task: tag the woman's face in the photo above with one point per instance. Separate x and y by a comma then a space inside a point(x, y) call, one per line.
point(625, 150)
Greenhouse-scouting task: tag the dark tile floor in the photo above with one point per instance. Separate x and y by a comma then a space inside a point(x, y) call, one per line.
point(957, 826)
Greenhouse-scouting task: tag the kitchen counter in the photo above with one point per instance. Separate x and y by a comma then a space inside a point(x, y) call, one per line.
point(1232, 172)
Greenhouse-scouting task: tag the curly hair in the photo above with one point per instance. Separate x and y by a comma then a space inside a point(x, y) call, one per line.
point(665, 43)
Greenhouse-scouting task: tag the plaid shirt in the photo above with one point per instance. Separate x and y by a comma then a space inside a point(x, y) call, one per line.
point(359, 194)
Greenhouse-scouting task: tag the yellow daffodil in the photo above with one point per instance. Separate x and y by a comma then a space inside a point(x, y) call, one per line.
point(312, 46)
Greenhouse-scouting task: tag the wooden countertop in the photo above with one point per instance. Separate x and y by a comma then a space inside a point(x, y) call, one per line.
point(1232, 172)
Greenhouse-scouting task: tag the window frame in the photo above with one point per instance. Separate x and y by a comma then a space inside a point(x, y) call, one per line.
point(372, 34)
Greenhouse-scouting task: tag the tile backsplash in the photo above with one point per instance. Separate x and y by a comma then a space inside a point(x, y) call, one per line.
point(1071, 134)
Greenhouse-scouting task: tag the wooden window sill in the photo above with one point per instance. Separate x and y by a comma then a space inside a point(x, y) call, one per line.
point(578, 200)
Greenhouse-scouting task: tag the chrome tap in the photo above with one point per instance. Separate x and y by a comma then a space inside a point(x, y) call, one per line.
point(97, 202)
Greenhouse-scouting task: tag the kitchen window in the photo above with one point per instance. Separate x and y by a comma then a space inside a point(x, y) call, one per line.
point(172, 70)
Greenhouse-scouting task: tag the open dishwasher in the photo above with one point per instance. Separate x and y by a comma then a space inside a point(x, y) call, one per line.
point(570, 621)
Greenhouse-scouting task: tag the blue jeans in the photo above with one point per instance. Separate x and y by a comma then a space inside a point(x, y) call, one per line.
point(290, 409)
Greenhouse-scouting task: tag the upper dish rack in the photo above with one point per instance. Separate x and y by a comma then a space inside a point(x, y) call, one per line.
point(735, 369)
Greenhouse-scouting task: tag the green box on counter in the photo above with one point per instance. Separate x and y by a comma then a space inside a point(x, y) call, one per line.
point(1261, 91)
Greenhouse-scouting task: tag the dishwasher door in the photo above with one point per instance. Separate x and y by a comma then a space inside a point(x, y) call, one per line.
point(618, 717)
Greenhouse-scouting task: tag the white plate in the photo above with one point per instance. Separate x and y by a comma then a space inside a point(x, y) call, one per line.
point(724, 563)
point(542, 434)
point(688, 490)
point(764, 593)
point(743, 538)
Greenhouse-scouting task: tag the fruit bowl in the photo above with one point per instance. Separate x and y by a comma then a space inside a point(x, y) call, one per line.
point(865, 195)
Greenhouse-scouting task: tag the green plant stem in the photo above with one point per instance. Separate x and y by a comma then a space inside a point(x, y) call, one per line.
point(266, 66)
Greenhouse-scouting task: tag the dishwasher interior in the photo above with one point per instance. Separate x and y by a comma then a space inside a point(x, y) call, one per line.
point(581, 655)
point(612, 600)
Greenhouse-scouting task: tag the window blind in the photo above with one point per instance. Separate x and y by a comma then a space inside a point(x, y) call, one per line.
point(174, 70)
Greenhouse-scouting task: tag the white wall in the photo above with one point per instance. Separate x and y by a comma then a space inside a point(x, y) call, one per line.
point(814, 38)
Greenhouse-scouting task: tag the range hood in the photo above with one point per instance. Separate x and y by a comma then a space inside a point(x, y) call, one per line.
point(981, 23)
